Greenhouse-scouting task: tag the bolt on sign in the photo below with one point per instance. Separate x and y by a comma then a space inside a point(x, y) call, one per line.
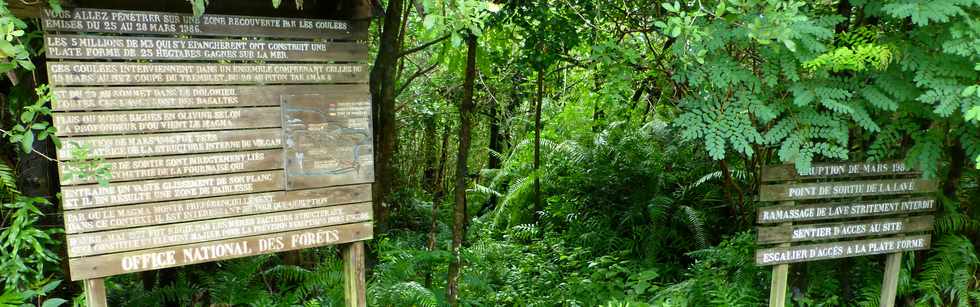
point(839, 210)
point(225, 136)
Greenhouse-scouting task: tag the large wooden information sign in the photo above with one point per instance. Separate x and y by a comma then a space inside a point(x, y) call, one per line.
point(225, 136)
point(878, 208)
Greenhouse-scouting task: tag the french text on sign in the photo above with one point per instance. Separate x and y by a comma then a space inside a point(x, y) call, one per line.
point(87, 244)
point(836, 170)
point(848, 229)
point(100, 73)
point(142, 22)
point(100, 219)
point(90, 47)
point(812, 212)
point(168, 257)
point(812, 252)
point(93, 196)
point(841, 189)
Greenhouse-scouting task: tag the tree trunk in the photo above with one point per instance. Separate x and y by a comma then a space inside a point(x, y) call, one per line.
point(462, 155)
point(436, 203)
point(383, 79)
point(537, 145)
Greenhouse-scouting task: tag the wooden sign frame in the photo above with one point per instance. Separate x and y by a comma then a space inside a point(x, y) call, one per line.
point(214, 162)
point(889, 217)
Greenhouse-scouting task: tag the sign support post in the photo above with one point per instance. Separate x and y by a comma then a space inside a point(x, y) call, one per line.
point(95, 295)
point(780, 275)
point(354, 284)
point(889, 284)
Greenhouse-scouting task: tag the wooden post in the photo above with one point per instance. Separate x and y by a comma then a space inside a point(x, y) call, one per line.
point(780, 275)
point(354, 285)
point(95, 295)
point(889, 284)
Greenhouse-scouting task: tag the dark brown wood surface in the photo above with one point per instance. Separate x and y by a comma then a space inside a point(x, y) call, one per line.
point(785, 172)
point(104, 73)
point(93, 47)
point(841, 189)
point(122, 240)
point(181, 97)
point(178, 166)
point(168, 212)
point(848, 229)
point(134, 192)
point(168, 257)
point(835, 250)
point(143, 22)
point(150, 121)
point(824, 211)
point(133, 146)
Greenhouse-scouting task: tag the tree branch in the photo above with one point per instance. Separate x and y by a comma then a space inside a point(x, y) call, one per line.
point(423, 46)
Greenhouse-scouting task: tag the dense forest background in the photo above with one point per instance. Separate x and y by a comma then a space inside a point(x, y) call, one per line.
point(585, 153)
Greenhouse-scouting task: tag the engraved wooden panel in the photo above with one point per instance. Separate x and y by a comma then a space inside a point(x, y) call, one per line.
point(91, 47)
point(122, 193)
point(835, 250)
point(840, 210)
point(99, 219)
point(142, 22)
point(168, 257)
point(328, 141)
point(800, 191)
point(785, 172)
point(181, 97)
point(104, 242)
point(104, 73)
point(849, 229)
point(172, 143)
point(179, 166)
point(131, 122)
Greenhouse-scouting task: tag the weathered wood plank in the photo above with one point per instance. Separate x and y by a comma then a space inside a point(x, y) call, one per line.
point(835, 250)
point(168, 257)
point(813, 212)
point(785, 172)
point(849, 229)
point(124, 193)
point(310, 123)
point(152, 121)
point(132, 146)
point(95, 294)
point(118, 73)
point(100, 219)
point(142, 22)
point(182, 97)
point(178, 166)
point(92, 47)
point(123, 240)
point(840, 189)
point(355, 290)
point(889, 282)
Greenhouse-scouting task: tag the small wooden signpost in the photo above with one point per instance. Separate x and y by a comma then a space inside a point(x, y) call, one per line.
point(226, 137)
point(888, 203)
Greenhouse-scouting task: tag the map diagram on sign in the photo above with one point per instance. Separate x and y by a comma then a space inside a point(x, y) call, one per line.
point(326, 141)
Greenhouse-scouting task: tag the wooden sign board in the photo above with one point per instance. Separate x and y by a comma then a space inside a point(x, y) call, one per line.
point(812, 252)
point(787, 172)
point(842, 189)
point(168, 257)
point(91, 47)
point(835, 180)
point(216, 153)
point(815, 212)
point(840, 230)
point(139, 22)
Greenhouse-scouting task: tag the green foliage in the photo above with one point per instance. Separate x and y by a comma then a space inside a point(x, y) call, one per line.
point(24, 246)
point(31, 127)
